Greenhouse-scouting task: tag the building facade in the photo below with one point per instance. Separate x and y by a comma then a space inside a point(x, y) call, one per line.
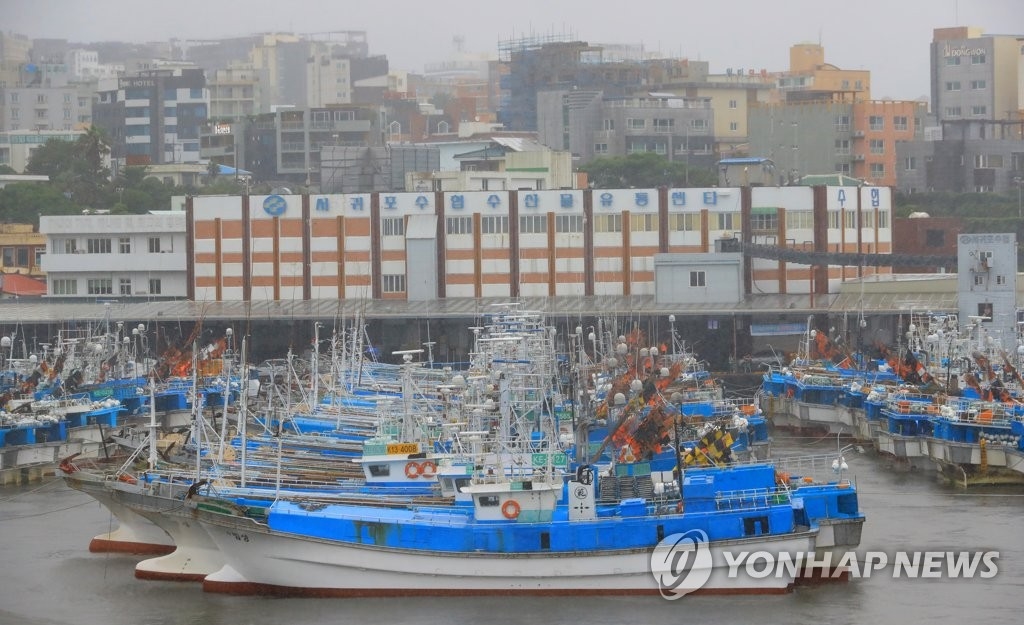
point(115, 257)
point(591, 126)
point(44, 108)
point(974, 75)
point(437, 245)
point(987, 287)
point(21, 250)
point(153, 117)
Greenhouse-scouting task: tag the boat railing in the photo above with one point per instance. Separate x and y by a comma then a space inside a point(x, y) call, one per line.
point(750, 498)
point(979, 412)
point(799, 467)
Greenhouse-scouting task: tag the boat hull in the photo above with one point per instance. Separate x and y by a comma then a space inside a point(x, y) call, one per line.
point(266, 562)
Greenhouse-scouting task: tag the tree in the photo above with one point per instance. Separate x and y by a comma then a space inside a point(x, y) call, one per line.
point(55, 159)
point(24, 202)
point(6, 170)
point(645, 170)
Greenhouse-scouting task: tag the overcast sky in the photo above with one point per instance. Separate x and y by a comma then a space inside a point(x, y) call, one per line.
point(888, 37)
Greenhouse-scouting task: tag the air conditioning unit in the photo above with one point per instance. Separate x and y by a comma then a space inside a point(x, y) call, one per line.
point(858, 157)
point(858, 133)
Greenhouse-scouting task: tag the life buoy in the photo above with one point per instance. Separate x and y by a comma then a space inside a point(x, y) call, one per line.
point(428, 468)
point(127, 479)
point(510, 509)
point(412, 470)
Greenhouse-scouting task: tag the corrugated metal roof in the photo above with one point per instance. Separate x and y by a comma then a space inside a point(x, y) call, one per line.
point(521, 144)
point(42, 311)
point(183, 310)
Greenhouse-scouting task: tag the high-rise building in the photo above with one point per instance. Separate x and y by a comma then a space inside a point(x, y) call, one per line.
point(974, 75)
point(154, 116)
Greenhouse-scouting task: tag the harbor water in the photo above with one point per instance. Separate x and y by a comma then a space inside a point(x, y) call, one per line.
point(49, 577)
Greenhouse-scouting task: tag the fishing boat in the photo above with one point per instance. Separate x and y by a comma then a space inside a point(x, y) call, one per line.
point(526, 519)
point(528, 533)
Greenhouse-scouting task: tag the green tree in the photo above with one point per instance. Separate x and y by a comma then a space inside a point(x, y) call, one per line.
point(25, 202)
point(645, 170)
point(55, 158)
point(6, 170)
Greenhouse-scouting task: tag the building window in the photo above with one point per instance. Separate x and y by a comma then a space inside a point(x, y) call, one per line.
point(607, 223)
point(100, 286)
point(842, 147)
point(954, 111)
point(876, 122)
point(125, 285)
point(124, 245)
point(664, 125)
point(952, 60)
point(393, 283)
point(979, 110)
point(734, 126)
point(952, 85)
point(733, 104)
point(494, 224)
point(727, 221)
point(393, 226)
point(1000, 280)
point(883, 219)
point(533, 224)
point(833, 220)
point(154, 245)
point(569, 223)
point(979, 279)
point(698, 278)
point(65, 246)
point(977, 84)
point(977, 59)
point(459, 225)
point(600, 148)
point(65, 286)
point(994, 161)
point(842, 123)
point(684, 222)
point(843, 168)
point(877, 170)
point(899, 122)
point(154, 286)
point(878, 146)
point(699, 124)
point(608, 124)
point(644, 222)
point(910, 163)
point(634, 123)
point(764, 222)
point(97, 246)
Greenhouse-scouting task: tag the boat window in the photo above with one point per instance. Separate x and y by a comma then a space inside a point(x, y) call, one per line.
point(545, 540)
point(460, 482)
point(488, 500)
point(380, 470)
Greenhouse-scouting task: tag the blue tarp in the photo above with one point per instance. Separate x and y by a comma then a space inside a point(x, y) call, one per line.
point(225, 170)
